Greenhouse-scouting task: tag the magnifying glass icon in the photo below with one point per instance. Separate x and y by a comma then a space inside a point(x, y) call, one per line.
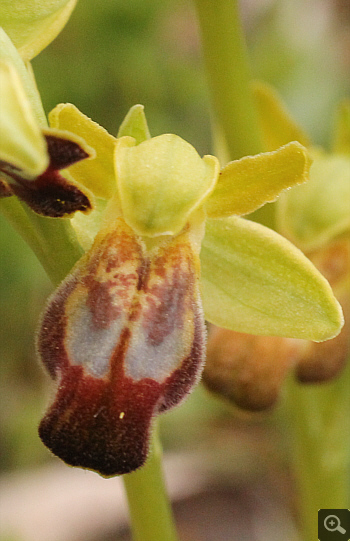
point(332, 524)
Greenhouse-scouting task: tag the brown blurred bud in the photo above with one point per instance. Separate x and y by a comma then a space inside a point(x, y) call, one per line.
point(323, 361)
point(333, 261)
point(246, 369)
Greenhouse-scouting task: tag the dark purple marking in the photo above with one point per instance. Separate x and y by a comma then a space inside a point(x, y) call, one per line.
point(101, 305)
point(50, 194)
point(63, 152)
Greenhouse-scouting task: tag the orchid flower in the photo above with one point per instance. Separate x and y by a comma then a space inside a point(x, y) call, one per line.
point(123, 337)
point(124, 334)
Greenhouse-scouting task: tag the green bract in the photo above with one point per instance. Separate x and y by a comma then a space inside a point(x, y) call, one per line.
point(33, 24)
point(277, 126)
point(341, 142)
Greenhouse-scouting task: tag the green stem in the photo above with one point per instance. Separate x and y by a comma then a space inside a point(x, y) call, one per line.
point(228, 72)
point(150, 511)
point(320, 431)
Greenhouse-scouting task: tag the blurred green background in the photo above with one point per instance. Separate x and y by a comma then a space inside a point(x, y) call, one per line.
point(111, 55)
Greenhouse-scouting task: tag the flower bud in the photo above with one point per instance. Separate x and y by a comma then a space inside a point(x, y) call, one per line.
point(248, 370)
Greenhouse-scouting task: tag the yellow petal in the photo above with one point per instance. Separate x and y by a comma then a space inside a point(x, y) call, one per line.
point(98, 174)
point(277, 125)
point(161, 182)
point(22, 144)
point(32, 25)
point(247, 184)
point(255, 281)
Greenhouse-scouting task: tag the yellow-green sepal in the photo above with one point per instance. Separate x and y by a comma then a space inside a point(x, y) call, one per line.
point(245, 185)
point(22, 144)
point(98, 174)
point(312, 214)
point(341, 142)
point(255, 281)
point(277, 125)
point(32, 25)
point(161, 182)
point(135, 124)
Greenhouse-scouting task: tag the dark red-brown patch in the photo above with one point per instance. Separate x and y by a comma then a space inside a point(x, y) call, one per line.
point(102, 424)
point(85, 428)
point(63, 152)
point(50, 194)
point(101, 305)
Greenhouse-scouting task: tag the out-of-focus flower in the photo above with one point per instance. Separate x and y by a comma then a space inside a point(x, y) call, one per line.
point(33, 24)
point(247, 369)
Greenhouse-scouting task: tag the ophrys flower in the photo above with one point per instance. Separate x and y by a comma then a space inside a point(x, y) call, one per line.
point(124, 334)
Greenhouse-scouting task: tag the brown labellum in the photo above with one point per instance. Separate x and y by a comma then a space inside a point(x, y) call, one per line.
point(123, 337)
